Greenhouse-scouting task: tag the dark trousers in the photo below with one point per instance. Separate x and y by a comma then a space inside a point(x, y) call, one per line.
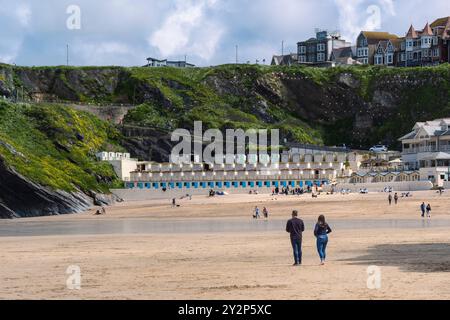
point(297, 248)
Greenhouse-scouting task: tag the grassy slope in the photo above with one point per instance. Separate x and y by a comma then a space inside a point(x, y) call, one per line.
point(194, 100)
point(56, 146)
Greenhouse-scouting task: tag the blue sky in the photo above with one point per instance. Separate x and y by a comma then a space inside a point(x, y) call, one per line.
point(126, 32)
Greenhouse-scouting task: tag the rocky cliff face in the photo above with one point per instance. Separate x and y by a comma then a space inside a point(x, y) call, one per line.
point(20, 197)
point(357, 106)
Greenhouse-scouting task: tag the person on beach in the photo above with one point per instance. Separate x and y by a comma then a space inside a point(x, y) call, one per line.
point(396, 198)
point(321, 232)
point(174, 202)
point(103, 210)
point(295, 228)
point(428, 211)
point(390, 199)
point(423, 207)
point(256, 215)
point(266, 213)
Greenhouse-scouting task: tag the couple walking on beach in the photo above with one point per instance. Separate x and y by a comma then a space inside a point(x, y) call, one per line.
point(296, 227)
point(425, 208)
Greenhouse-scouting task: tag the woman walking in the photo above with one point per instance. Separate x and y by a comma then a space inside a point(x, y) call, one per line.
point(321, 232)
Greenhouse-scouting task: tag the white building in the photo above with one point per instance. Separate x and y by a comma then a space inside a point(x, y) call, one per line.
point(427, 149)
point(302, 166)
point(152, 62)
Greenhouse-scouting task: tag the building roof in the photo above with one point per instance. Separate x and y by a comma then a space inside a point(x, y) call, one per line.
point(441, 22)
point(431, 128)
point(373, 37)
point(154, 59)
point(427, 30)
point(412, 34)
point(286, 60)
point(345, 52)
point(437, 156)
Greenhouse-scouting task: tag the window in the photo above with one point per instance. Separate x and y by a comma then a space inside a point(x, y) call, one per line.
point(321, 47)
point(435, 41)
point(378, 60)
point(435, 52)
point(302, 49)
point(321, 57)
point(302, 58)
point(390, 59)
point(403, 57)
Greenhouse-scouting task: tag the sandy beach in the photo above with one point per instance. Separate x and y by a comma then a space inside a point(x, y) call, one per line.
point(210, 248)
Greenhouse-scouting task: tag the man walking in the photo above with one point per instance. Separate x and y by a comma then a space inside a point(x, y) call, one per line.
point(390, 199)
point(396, 198)
point(423, 207)
point(295, 227)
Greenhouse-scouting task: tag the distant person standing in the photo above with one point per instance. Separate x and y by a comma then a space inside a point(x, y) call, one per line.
point(266, 213)
point(295, 227)
point(428, 211)
point(423, 207)
point(256, 215)
point(396, 198)
point(390, 199)
point(174, 202)
point(321, 232)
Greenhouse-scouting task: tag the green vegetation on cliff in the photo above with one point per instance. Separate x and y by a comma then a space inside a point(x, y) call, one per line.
point(55, 146)
point(356, 105)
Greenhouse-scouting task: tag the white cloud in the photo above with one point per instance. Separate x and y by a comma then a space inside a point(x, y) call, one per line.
point(23, 14)
point(188, 30)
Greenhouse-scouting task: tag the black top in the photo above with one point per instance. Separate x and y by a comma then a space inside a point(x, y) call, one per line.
point(321, 230)
point(295, 227)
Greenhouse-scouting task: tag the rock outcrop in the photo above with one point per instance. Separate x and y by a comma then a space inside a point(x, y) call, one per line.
point(20, 197)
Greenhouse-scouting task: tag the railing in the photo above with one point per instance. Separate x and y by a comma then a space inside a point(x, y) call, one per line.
point(426, 149)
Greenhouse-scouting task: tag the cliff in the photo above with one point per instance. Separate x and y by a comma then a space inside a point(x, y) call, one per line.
point(47, 160)
point(358, 106)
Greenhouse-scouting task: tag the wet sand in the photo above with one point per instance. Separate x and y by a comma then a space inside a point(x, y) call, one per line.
point(239, 258)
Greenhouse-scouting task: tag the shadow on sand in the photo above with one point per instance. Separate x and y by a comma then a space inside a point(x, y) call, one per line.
point(423, 257)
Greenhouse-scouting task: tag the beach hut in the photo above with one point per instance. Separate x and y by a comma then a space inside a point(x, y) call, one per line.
point(195, 184)
point(227, 184)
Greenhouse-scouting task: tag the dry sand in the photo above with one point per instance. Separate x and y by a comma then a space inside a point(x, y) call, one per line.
point(415, 263)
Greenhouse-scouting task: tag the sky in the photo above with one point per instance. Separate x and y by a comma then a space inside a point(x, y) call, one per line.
point(126, 32)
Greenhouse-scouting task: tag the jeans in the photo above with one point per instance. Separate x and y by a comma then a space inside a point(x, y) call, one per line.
point(322, 242)
point(297, 247)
